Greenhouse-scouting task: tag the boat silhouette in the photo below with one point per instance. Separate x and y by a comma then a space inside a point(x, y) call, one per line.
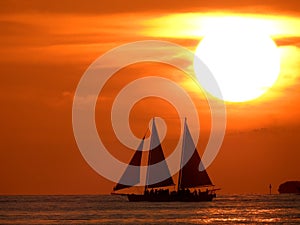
point(191, 180)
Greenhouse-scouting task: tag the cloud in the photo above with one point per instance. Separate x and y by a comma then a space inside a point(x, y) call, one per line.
point(120, 6)
point(48, 30)
point(288, 41)
point(15, 28)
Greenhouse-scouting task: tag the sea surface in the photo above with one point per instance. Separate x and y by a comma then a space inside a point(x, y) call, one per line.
point(105, 209)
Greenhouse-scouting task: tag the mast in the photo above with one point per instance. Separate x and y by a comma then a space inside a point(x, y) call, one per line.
point(183, 144)
point(131, 175)
point(156, 155)
point(148, 163)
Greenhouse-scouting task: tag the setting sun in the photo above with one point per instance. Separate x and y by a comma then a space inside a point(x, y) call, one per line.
point(244, 62)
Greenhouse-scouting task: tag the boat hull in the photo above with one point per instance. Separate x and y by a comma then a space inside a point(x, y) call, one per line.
point(171, 198)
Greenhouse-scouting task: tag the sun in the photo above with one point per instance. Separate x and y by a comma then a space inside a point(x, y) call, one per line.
point(245, 63)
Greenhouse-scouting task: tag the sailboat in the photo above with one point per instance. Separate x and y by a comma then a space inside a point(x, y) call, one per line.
point(190, 179)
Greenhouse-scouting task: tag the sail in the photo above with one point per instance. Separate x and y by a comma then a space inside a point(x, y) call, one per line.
point(132, 175)
point(156, 155)
point(189, 175)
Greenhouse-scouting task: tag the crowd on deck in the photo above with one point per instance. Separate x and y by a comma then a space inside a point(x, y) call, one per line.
point(181, 192)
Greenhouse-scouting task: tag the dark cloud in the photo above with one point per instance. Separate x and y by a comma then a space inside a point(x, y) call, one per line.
point(27, 32)
point(288, 41)
point(119, 6)
point(15, 28)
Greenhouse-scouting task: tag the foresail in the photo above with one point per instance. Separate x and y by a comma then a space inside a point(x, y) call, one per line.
point(132, 175)
point(189, 175)
point(156, 155)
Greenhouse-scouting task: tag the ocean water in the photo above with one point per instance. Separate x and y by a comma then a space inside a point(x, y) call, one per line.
point(105, 209)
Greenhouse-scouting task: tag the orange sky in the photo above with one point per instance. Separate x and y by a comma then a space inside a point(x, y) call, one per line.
point(45, 48)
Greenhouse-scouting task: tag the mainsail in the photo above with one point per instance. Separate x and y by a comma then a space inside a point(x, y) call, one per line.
point(189, 175)
point(156, 155)
point(132, 175)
